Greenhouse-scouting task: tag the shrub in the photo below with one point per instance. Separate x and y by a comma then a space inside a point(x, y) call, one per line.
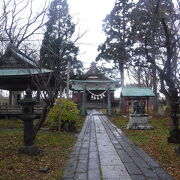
point(66, 110)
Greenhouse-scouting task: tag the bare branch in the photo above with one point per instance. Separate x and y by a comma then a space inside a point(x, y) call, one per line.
point(17, 27)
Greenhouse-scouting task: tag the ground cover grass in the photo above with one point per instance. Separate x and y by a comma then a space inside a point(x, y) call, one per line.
point(55, 151)
point(154, 142)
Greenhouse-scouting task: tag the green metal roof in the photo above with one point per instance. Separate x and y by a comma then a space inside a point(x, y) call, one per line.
point(137, 92)
point(94, 89)
point(21, 72)
point(94, 81)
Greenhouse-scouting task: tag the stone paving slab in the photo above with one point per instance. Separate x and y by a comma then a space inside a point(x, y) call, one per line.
point(103, 152)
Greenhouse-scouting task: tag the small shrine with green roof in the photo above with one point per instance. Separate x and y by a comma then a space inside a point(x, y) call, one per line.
point(131, 94)
point(94, 90)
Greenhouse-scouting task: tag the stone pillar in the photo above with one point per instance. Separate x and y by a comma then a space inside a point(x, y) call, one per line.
point(14, 98)
point(83, 109)
point(109, 101)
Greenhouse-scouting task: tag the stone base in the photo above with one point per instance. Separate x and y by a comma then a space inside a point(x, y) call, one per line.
point(138, 121)
point(30, 150)
point(177, 150)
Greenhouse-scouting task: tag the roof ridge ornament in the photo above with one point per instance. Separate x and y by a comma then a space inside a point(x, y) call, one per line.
point(93, 63)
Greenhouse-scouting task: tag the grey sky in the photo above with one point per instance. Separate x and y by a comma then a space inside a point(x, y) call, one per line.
point(89, 15)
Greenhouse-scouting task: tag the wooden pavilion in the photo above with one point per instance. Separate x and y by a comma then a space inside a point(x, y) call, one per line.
point(94, 90)
point(131, 94)
point(16, 73)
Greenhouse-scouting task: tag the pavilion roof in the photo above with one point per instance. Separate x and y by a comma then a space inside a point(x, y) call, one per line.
point(21, 72)
point(137, 92)
point(16, 63)
point(14, 58)
point(17, 70)
point(23, 56)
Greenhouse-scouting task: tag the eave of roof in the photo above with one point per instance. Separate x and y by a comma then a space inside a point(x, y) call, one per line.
point(94, 81)
point(94, 89)
point(21, 72)
point(137, 92)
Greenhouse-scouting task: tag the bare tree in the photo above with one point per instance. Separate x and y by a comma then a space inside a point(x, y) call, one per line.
point(48, 83)
point(157, 40)
point(18, 21)
point(168, 67)
point(141, 75)
point(17, 29)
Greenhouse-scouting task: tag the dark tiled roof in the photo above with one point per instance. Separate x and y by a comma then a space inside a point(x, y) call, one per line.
point(23, 56)
point(95, 73)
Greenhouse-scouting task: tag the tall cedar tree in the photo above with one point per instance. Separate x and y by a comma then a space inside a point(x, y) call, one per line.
point(56, 51)
point(116, 47)
point(117, 29)
point(157, 39)
point(57, 46)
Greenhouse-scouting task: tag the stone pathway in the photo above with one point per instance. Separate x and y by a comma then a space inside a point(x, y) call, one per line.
point(103, 152)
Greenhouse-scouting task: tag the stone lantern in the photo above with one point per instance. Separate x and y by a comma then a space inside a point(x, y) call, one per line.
point(28, 116)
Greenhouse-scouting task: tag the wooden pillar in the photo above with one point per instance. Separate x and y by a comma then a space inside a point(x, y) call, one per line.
point(38, 96)
point(109, 101)
point(126, 106)
point(10, 97)
point(1, 99)
point(132, 106)
point(147, 105)
point(83, 112)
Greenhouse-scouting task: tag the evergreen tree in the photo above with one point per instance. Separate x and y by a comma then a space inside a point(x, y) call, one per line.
point(117, 28)
point(57, 51)
point(116, 47)
point(57, 46)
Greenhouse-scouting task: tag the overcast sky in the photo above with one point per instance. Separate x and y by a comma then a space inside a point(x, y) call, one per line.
point(89, 15)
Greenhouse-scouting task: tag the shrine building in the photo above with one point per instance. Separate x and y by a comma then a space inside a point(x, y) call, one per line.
point(131, 94)
point(94, 90)
point(17, 71)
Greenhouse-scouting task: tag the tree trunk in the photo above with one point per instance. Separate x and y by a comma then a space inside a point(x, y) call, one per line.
point(174, 130)
point(59, 110)
point(44, 113)
point(155, 99)
point(122, 101)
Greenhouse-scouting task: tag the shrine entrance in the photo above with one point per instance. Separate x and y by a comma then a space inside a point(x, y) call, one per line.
point(96, 99)
point(94, 91)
